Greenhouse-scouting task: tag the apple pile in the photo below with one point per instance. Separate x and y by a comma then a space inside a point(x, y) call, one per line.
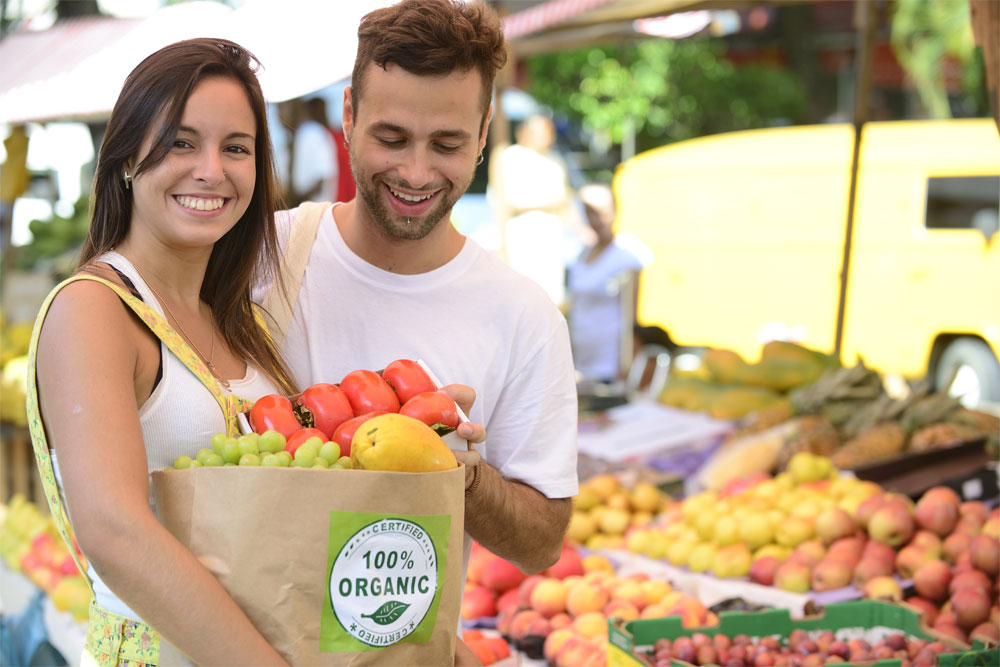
point(605, 508)
point(799, 649)
point(954, 561)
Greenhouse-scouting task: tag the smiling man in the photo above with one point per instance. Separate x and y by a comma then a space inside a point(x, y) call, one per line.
point(388, 276)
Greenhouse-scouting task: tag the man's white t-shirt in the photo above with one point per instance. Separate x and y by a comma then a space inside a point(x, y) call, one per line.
point(474, 321)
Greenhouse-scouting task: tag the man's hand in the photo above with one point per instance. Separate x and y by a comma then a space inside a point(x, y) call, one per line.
point(465, 396)
point(471, 459)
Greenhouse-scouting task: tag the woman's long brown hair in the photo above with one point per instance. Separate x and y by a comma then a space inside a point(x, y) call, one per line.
point(152, 100)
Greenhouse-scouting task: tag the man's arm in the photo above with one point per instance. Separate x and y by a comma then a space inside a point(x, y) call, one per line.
point(515, 521)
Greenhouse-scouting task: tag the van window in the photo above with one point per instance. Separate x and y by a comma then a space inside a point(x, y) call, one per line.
point(968, 202)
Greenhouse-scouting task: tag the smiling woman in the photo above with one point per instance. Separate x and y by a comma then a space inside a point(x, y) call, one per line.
point(156, 323)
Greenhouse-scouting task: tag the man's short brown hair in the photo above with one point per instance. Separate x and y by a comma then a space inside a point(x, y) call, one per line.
point(431, 38)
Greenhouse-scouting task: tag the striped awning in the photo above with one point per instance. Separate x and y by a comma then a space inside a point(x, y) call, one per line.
point(546, 15)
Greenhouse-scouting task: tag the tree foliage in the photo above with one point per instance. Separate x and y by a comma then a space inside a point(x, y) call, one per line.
point(924, 35)
point(665, 90)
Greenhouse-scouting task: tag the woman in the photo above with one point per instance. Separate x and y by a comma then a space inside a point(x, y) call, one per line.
point(601, 286)
point(137, 353)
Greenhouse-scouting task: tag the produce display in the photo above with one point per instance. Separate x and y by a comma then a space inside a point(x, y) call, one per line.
point(727, 387)
point(31, 545)
point(14, 339)
point(809, 530)
point(562, 613)
point(604, 509)
point(842, 413)
point(825, 649)
point(403, 414)
point(859, 633)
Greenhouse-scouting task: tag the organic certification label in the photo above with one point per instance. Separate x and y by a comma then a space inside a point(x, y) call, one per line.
point(384, 576)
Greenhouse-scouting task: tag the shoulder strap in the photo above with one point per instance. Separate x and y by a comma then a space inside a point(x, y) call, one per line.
point(279, 303)
point(229, 404)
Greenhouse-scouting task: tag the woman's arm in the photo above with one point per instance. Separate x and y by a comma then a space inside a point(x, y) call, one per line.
point(92, 356)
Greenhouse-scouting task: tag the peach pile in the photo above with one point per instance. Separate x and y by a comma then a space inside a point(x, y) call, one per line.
point(562, 614)
point(799, 649)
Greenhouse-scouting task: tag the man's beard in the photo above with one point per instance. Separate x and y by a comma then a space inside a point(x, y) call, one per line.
point(394, 224)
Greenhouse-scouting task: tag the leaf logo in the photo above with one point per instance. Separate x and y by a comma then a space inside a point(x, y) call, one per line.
point(387, 613)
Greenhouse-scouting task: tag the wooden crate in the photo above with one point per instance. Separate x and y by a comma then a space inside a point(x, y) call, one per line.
point(18, 472)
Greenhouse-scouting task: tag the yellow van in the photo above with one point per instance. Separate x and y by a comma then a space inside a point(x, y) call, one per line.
point(748, 234)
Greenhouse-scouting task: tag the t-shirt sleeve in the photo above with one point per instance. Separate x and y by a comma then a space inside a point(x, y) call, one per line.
point(532, 433)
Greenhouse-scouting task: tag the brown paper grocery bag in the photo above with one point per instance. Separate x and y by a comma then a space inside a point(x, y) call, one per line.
point(333, 567)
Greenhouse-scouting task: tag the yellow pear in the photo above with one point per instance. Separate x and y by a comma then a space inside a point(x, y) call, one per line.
point(700, 558)
point(657, 545)
point(756, 531)
point(587, 499)
point(644, 497)
point(399, 443)
point(581, 526)
point(727, 531)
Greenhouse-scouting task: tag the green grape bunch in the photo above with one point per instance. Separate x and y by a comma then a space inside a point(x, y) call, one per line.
point(267, 449)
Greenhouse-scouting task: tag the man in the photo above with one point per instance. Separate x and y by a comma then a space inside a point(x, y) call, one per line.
point(389, 270)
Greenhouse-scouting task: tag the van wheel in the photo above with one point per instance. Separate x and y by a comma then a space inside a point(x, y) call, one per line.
point(967, 368)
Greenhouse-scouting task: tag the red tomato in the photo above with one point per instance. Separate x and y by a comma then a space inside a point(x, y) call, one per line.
point(301, 436)
point(368, 392)
point(345, 432)
point(407, 379)
point(328, 405)
point(274, 412)
point(432, 407)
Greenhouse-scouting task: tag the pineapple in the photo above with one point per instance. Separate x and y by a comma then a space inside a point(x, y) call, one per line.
point(872, 444)
point(937, 436)
point(813, 434)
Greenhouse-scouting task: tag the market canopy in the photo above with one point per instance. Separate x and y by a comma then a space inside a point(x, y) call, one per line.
point(564, 24)
point(75, 70)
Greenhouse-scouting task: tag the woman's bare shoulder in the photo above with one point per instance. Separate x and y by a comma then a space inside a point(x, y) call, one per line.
point(88, 302)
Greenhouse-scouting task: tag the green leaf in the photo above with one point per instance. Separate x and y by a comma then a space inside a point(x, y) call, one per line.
point(441, 429)
point(387, 613)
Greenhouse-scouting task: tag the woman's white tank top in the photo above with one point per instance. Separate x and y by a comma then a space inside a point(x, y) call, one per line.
point(179, 418)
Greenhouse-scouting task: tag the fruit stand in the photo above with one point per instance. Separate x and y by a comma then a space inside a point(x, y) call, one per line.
point(827, 520)
point(796, 514)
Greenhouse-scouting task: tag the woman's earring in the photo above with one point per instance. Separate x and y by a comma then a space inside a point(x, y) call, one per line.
point(128, 180)
point(479, 160)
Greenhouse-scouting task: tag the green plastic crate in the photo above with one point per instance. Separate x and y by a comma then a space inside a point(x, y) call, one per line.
point(624, 638)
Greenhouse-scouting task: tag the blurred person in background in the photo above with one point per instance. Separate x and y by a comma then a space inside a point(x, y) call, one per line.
point(533, 196)
point(602, 291)
point(314, 155)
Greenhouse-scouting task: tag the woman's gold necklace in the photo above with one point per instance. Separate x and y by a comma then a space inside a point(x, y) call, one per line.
point(180, 328)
